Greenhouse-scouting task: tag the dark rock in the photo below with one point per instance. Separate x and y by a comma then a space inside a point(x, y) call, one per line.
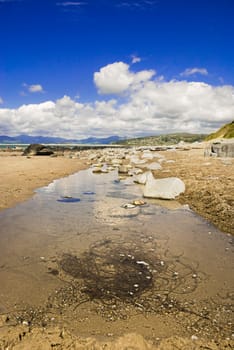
point(223, 149)
point(36, 149)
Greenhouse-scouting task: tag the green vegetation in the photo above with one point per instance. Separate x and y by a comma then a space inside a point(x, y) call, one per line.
point(167, 139)
point(225, 132)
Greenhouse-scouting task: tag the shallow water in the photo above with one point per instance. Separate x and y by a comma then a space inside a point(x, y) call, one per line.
point(190, 263)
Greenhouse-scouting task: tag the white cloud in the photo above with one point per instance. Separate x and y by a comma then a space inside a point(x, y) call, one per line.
point(35, 88)
point(71, 3)
point(192, 71)
point(151, 106)
point(116, 78)
point(1, 100)
point(135, 59)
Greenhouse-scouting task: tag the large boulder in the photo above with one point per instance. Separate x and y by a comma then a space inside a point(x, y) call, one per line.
point(168, 188)
point(36, 149)
point(223, 148)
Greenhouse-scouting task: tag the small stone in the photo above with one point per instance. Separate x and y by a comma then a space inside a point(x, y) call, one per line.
point(140, 262)
point(194, 337)
point(123, 169)
point(128, 206)
point(138, 202)
point(96, 170)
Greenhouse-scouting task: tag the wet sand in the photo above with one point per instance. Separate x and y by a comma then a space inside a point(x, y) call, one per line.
point(188, 165)
point(209, 181)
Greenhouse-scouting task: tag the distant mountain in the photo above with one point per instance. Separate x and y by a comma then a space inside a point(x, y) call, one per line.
point(105, 140)
point(166, 139)
point(26, 139)
point(225, 132)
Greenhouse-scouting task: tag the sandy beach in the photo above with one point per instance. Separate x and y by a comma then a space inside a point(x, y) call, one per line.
point(209, 192)
point(209, 180)
point(21, 175)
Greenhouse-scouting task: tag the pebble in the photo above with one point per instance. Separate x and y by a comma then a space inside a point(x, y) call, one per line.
point(128, 206)
point(194, 337)
point(138, 202)
point(140, 262)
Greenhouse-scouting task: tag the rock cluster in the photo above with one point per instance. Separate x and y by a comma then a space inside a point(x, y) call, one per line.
point(139, 164)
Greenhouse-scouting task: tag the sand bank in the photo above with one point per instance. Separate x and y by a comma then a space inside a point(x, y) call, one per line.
point(20, 176)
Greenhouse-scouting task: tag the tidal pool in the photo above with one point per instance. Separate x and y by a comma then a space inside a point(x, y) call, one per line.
point(74, 256)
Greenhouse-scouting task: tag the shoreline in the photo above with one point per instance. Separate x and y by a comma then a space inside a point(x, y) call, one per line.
point(208, 180)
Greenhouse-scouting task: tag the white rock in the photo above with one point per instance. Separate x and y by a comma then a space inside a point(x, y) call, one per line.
point(117, 161)
point(141, 179)
point(194, 337)
point(167, 188)
point(138, 171)
point(147, 155)
point(154, 166)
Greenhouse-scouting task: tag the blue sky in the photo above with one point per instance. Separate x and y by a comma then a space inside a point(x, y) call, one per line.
point(62, 60)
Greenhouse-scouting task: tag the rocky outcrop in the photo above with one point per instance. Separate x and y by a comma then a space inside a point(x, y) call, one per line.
point(36, 149)
point(223, 149)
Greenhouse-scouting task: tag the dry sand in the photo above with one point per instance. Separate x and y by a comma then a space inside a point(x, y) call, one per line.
point(209, 191)
point(209, 184)
point(20, 175)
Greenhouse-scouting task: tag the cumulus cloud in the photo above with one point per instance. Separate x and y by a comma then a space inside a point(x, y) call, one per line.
point(116, 78)
point(191, 71)
point(150, 106)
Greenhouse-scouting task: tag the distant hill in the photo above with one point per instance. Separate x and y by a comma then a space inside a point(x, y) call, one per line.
point(26, 139)
point(225, 132)
point(167, 139)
